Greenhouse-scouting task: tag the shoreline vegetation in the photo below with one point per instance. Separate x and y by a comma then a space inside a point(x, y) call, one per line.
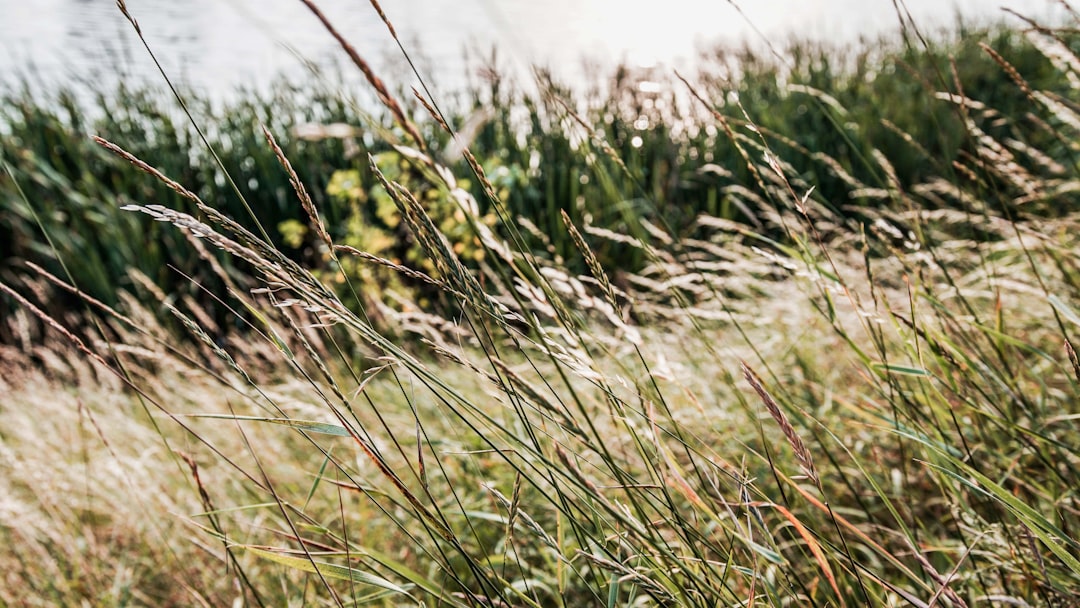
point(790, 331)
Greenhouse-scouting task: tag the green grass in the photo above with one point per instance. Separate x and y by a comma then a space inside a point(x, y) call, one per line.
point(541, 157)
point(810, 344)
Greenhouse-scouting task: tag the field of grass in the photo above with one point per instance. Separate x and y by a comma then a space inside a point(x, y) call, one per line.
point(796, 333)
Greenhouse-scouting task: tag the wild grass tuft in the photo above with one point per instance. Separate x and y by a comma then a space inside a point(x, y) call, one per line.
point(789, 346)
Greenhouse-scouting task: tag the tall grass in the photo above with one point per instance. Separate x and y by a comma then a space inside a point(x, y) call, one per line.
point(844, 375)
point(636, 148)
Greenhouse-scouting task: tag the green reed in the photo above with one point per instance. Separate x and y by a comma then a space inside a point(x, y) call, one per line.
point(614, 154)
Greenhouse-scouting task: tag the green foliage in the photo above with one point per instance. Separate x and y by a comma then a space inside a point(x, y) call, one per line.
point(76, 189)
point(645, 154)
point(375, 226)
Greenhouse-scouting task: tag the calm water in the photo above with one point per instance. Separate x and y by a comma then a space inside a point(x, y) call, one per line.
point(217, 45)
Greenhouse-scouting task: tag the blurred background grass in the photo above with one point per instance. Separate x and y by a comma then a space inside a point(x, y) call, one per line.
point(824, 110)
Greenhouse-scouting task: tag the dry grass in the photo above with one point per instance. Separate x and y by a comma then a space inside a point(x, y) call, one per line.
point(666, 409)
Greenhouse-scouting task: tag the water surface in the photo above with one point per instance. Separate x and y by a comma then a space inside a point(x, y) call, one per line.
point(217, 45)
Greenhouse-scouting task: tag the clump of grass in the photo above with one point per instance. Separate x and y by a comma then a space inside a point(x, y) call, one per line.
point(636, 150)
point(825, 403)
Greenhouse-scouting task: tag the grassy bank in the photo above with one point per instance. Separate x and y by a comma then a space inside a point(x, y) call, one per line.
point(804, 336)
point(638, 148)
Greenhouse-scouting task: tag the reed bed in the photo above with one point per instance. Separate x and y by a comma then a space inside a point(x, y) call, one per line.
point(834, 379)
